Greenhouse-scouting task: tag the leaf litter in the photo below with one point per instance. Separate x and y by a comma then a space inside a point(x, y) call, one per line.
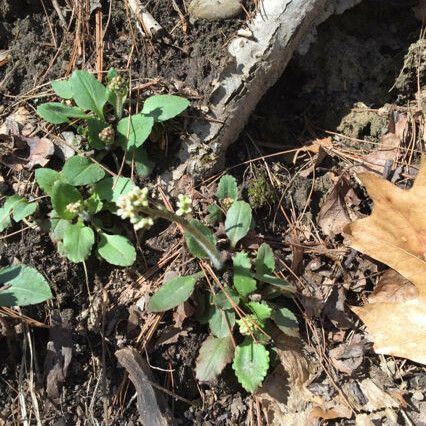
point(324, 375)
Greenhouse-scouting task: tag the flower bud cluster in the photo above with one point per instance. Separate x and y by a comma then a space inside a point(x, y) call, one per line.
point(248, 325)
point(184, 205)
point(129, 208)
point(76, 207)
point(118, 84)
point(107, 135)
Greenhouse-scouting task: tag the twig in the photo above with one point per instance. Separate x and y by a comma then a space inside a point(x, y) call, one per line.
point(59, 12)
point(146, 23)
point(99, 44)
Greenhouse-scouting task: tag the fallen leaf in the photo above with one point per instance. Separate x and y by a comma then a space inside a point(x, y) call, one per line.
point(393, 287)
point(152, 407)
point(336, 412)
point(395, 234)
point(59, 352)
point(170, 335)
point(17, 149)
point(182, 312)
point(333, 214)
point(285, 395)
point(376, 397)
point(4, 57)
point(347, 357)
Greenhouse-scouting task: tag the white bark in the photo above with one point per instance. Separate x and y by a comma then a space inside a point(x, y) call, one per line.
point(258, 57)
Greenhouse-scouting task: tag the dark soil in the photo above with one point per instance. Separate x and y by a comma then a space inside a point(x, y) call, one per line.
point(357, 57)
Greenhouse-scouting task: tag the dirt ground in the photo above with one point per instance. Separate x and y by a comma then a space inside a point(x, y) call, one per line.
point(362, 68)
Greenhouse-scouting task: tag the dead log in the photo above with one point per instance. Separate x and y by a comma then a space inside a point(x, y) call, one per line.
point(258, 57)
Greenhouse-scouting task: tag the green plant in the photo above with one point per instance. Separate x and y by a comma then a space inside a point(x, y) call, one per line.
point(82, 200)
point(260, 192)
point(105, 131)
point(242, 307)
point(82, 196)
point(21, 285)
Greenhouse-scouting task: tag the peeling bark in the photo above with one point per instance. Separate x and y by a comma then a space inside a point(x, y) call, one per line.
point(258, 57)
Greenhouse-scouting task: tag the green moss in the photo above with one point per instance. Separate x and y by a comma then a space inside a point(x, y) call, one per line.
point(260, 193)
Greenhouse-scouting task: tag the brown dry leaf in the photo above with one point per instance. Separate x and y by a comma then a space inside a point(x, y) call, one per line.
point(347, 357)
point(333, 215)
point(17, 149)
point(4, 57)
point(377, 398)
point(284, 393)
point(395, 234)
point(59, 352)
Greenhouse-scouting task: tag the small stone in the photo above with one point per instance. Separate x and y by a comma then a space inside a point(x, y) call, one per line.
point(418, 395)
point(214, 9)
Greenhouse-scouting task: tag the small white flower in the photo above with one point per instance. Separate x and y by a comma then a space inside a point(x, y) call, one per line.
point(143, 223)
point(184, 205)
point(129, 206)
point(74, 207)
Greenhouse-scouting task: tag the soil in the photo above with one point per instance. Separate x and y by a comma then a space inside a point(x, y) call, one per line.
point(355, 60)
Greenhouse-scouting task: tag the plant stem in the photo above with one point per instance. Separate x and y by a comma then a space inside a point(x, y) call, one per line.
point(119, 101)
point(202, 240)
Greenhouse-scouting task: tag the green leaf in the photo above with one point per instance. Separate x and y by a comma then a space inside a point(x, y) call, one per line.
point(221, 299)
point(227, 188)
point(282, 284)
point(220, 322)
point(251, 363)
point(78, 242)
point(261, 310)
point(93, 204)
point(237, 222)
point(57, 113)
point(286, 321)
point(80, 170)
point(191, 242)
point(243, 281)
point(62, 195)
point(140, 159)
point(265, 261)
point(164, 107)
point(46, 178)
point(23, 209)
point(62, 88)
point(215, 214)
point(94, 127)
point(111, 188)
point(88, 92)
point(116, 249)
point(133, 131)
point(5, 211)
point(172, 293)
point(213, 356)
point(58, 227)
point(24, 286)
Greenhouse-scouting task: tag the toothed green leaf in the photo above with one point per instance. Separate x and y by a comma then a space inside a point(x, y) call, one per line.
point(251, 363)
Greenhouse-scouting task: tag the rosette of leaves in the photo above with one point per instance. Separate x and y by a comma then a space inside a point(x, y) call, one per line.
point(82, 197)
point(239, 313)
point(87, 100)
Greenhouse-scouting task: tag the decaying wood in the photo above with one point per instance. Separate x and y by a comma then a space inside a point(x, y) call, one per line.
point(146, 23)
point(151, 407)
point(256, 62)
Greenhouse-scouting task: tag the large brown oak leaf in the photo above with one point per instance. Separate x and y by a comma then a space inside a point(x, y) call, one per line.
point(395, 234)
